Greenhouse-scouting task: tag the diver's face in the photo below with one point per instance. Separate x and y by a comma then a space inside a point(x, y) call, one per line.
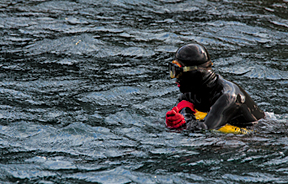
point(188, 78)
point(192, 81)
point(185, 82)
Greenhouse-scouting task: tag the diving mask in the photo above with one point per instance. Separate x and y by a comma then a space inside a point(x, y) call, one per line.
point(176, 70)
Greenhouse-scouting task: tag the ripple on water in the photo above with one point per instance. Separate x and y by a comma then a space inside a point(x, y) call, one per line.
point(24, 172)
point(78, 45)
point(55, 6)
point(238, 66)
point(117, 175)
point(136, 51)
point(262, 72)
point(252, 177)
point(114, 96)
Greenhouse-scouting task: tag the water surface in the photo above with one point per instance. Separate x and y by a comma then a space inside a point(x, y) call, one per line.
point(84, 90)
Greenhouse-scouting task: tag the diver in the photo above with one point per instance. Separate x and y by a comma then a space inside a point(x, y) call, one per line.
point(203, 91)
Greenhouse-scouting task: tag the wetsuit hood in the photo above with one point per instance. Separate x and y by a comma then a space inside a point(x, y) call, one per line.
point(192, 54)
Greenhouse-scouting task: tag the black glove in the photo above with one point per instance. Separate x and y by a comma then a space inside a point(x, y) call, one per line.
point(191, 122)
point(196, 125)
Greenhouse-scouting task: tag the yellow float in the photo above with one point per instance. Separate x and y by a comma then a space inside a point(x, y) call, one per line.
point(226, 128)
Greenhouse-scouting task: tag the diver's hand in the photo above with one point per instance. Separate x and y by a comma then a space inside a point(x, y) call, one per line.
point(174, 119)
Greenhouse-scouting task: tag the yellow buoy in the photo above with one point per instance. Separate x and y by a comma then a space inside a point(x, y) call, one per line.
point(200, 115)
point(234, 129)
point(226, 128)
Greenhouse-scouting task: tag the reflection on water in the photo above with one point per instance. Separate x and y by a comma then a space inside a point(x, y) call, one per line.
point(84, 89)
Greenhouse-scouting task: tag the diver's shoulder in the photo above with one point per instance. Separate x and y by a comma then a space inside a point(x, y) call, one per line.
point(228, 86)
point(225, 82)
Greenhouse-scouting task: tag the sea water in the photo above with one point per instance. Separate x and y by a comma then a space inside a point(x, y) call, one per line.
point(84, 90)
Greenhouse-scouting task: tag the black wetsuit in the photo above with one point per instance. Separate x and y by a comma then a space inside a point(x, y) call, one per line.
point(224, 101)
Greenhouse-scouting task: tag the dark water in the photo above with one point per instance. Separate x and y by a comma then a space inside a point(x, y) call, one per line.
point(84, 89)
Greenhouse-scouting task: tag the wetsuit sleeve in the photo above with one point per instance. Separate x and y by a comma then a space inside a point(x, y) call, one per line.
point(186, 104)
point(188, 114)
point(221, 111)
